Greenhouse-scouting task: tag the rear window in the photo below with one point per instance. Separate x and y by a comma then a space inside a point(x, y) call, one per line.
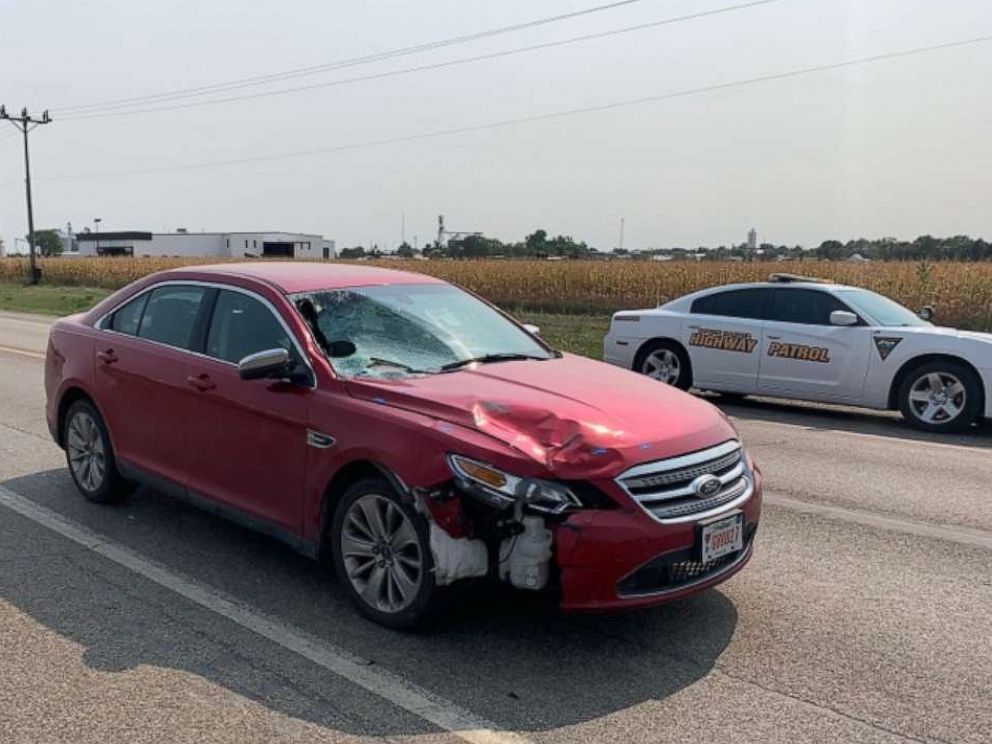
point(127, 317)
point(170, 315)
point(734, 303)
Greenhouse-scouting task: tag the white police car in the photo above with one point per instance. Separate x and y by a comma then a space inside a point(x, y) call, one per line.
point(796, 337)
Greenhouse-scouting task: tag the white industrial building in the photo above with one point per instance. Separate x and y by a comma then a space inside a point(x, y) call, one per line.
point(204, 244)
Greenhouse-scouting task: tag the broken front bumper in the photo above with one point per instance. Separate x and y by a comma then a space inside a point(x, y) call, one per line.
point(621, 558)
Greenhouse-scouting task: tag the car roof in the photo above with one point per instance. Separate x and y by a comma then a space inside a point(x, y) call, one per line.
point(307, 276)
point(824, 286)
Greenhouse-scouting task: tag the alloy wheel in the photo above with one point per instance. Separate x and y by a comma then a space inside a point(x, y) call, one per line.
point(381, 553)
point(663, 365)
point(87, 454)
point(937, 397)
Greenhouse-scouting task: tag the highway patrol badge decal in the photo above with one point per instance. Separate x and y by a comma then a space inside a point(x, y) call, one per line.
point(886, 344)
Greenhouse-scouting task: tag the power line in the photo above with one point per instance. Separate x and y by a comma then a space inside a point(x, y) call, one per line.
point(541, 117)
point(314, 69)
point(423, 68)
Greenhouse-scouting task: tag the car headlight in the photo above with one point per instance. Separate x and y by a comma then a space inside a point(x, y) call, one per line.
point(502, 490)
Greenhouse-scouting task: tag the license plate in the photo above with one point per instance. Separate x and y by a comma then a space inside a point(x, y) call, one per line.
point(722, 537)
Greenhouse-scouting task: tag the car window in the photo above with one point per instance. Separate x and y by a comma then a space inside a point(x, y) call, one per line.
point(170, 315)
point(127, 317)
point(807, 306)
point(734, 303)
point(242, 325)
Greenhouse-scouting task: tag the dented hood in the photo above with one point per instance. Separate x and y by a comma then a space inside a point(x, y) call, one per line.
point(578, 417)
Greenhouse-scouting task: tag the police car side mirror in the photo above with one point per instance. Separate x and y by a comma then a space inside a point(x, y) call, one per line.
point(843, 318)
point(532, 329)
point(928, 312)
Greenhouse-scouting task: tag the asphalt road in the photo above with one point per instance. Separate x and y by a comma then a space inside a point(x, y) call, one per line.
point(866, 614)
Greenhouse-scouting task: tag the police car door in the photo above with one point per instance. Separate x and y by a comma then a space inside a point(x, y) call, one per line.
point(804, 356)
point(722, 334)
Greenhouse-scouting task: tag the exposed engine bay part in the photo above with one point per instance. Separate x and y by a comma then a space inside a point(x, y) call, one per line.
point(456, 559)
point(524, 557)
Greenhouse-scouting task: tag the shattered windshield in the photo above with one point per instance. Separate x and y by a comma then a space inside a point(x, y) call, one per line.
point(407, 329)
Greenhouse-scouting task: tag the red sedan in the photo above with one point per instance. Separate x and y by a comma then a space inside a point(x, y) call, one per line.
point(407, 429)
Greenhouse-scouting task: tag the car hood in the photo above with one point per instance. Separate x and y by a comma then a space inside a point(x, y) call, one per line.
point(578, 417)
point(950, 339)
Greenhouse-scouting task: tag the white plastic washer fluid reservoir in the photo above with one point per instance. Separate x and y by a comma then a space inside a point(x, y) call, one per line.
point(526, 566)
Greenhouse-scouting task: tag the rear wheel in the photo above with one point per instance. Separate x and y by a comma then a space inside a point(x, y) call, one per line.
point(382, 555)
point(942, 396)
point(90, 455)
point(666, 362)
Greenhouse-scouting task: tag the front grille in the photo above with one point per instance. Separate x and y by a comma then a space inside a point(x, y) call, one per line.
point(665, 488)
point(678, 569)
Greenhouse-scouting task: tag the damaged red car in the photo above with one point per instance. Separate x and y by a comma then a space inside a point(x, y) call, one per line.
point(407, 430)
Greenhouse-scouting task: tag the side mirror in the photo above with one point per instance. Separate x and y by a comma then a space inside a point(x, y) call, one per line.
point(262, 364)
point(928, 312)
point(843, 318)
point(340, 349)
point(532, 329)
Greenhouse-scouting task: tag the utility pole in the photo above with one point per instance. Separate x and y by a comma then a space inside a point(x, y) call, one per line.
point(620, 245)
point(26, 123)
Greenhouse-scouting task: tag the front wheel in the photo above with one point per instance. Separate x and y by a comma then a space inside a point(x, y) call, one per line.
point(941, 397)
point(666, 362)
point(382, 555)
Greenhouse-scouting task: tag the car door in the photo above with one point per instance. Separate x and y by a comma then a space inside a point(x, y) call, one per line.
point(722, 335)
point(138, 377)
point(247, 438)
point(805, 356)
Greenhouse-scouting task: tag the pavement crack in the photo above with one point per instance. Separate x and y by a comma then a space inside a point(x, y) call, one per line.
point(829, 708)
point(25, 431)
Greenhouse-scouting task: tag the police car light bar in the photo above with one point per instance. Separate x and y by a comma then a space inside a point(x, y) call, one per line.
point(797, 278)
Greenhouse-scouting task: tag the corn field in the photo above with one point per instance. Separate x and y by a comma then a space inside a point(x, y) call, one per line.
point(961, 292)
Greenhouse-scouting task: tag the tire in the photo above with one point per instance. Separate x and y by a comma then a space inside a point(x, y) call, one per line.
point(393, 582)
point(731, 397)
point(90, 456)
point(665, 361)
point(942, 396)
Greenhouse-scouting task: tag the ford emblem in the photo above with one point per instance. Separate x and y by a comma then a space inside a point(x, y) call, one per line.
point(706, 486)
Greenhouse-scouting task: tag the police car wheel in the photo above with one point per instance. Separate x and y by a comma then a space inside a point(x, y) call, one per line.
point(666, 362)
point(941, 397)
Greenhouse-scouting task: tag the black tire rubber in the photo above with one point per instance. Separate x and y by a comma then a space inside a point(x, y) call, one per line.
point(425, 606)
point(114, 488)
point(974, 400)
point(731, 397)
point(685, 366)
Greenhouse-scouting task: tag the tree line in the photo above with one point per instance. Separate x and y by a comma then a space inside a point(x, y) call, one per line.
point(536, 245)
point(540, 245)
point(955, 248)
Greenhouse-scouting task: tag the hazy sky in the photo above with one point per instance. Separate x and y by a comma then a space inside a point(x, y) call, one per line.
point(898, 147)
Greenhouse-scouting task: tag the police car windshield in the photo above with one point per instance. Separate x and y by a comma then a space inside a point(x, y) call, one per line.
point(882, 310)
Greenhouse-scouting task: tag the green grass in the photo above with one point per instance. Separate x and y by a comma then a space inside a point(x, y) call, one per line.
point(579, 334)
point(48, 300)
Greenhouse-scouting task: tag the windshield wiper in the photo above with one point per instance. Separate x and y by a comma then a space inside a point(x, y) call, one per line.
point(487, 358)
point(380, 362)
